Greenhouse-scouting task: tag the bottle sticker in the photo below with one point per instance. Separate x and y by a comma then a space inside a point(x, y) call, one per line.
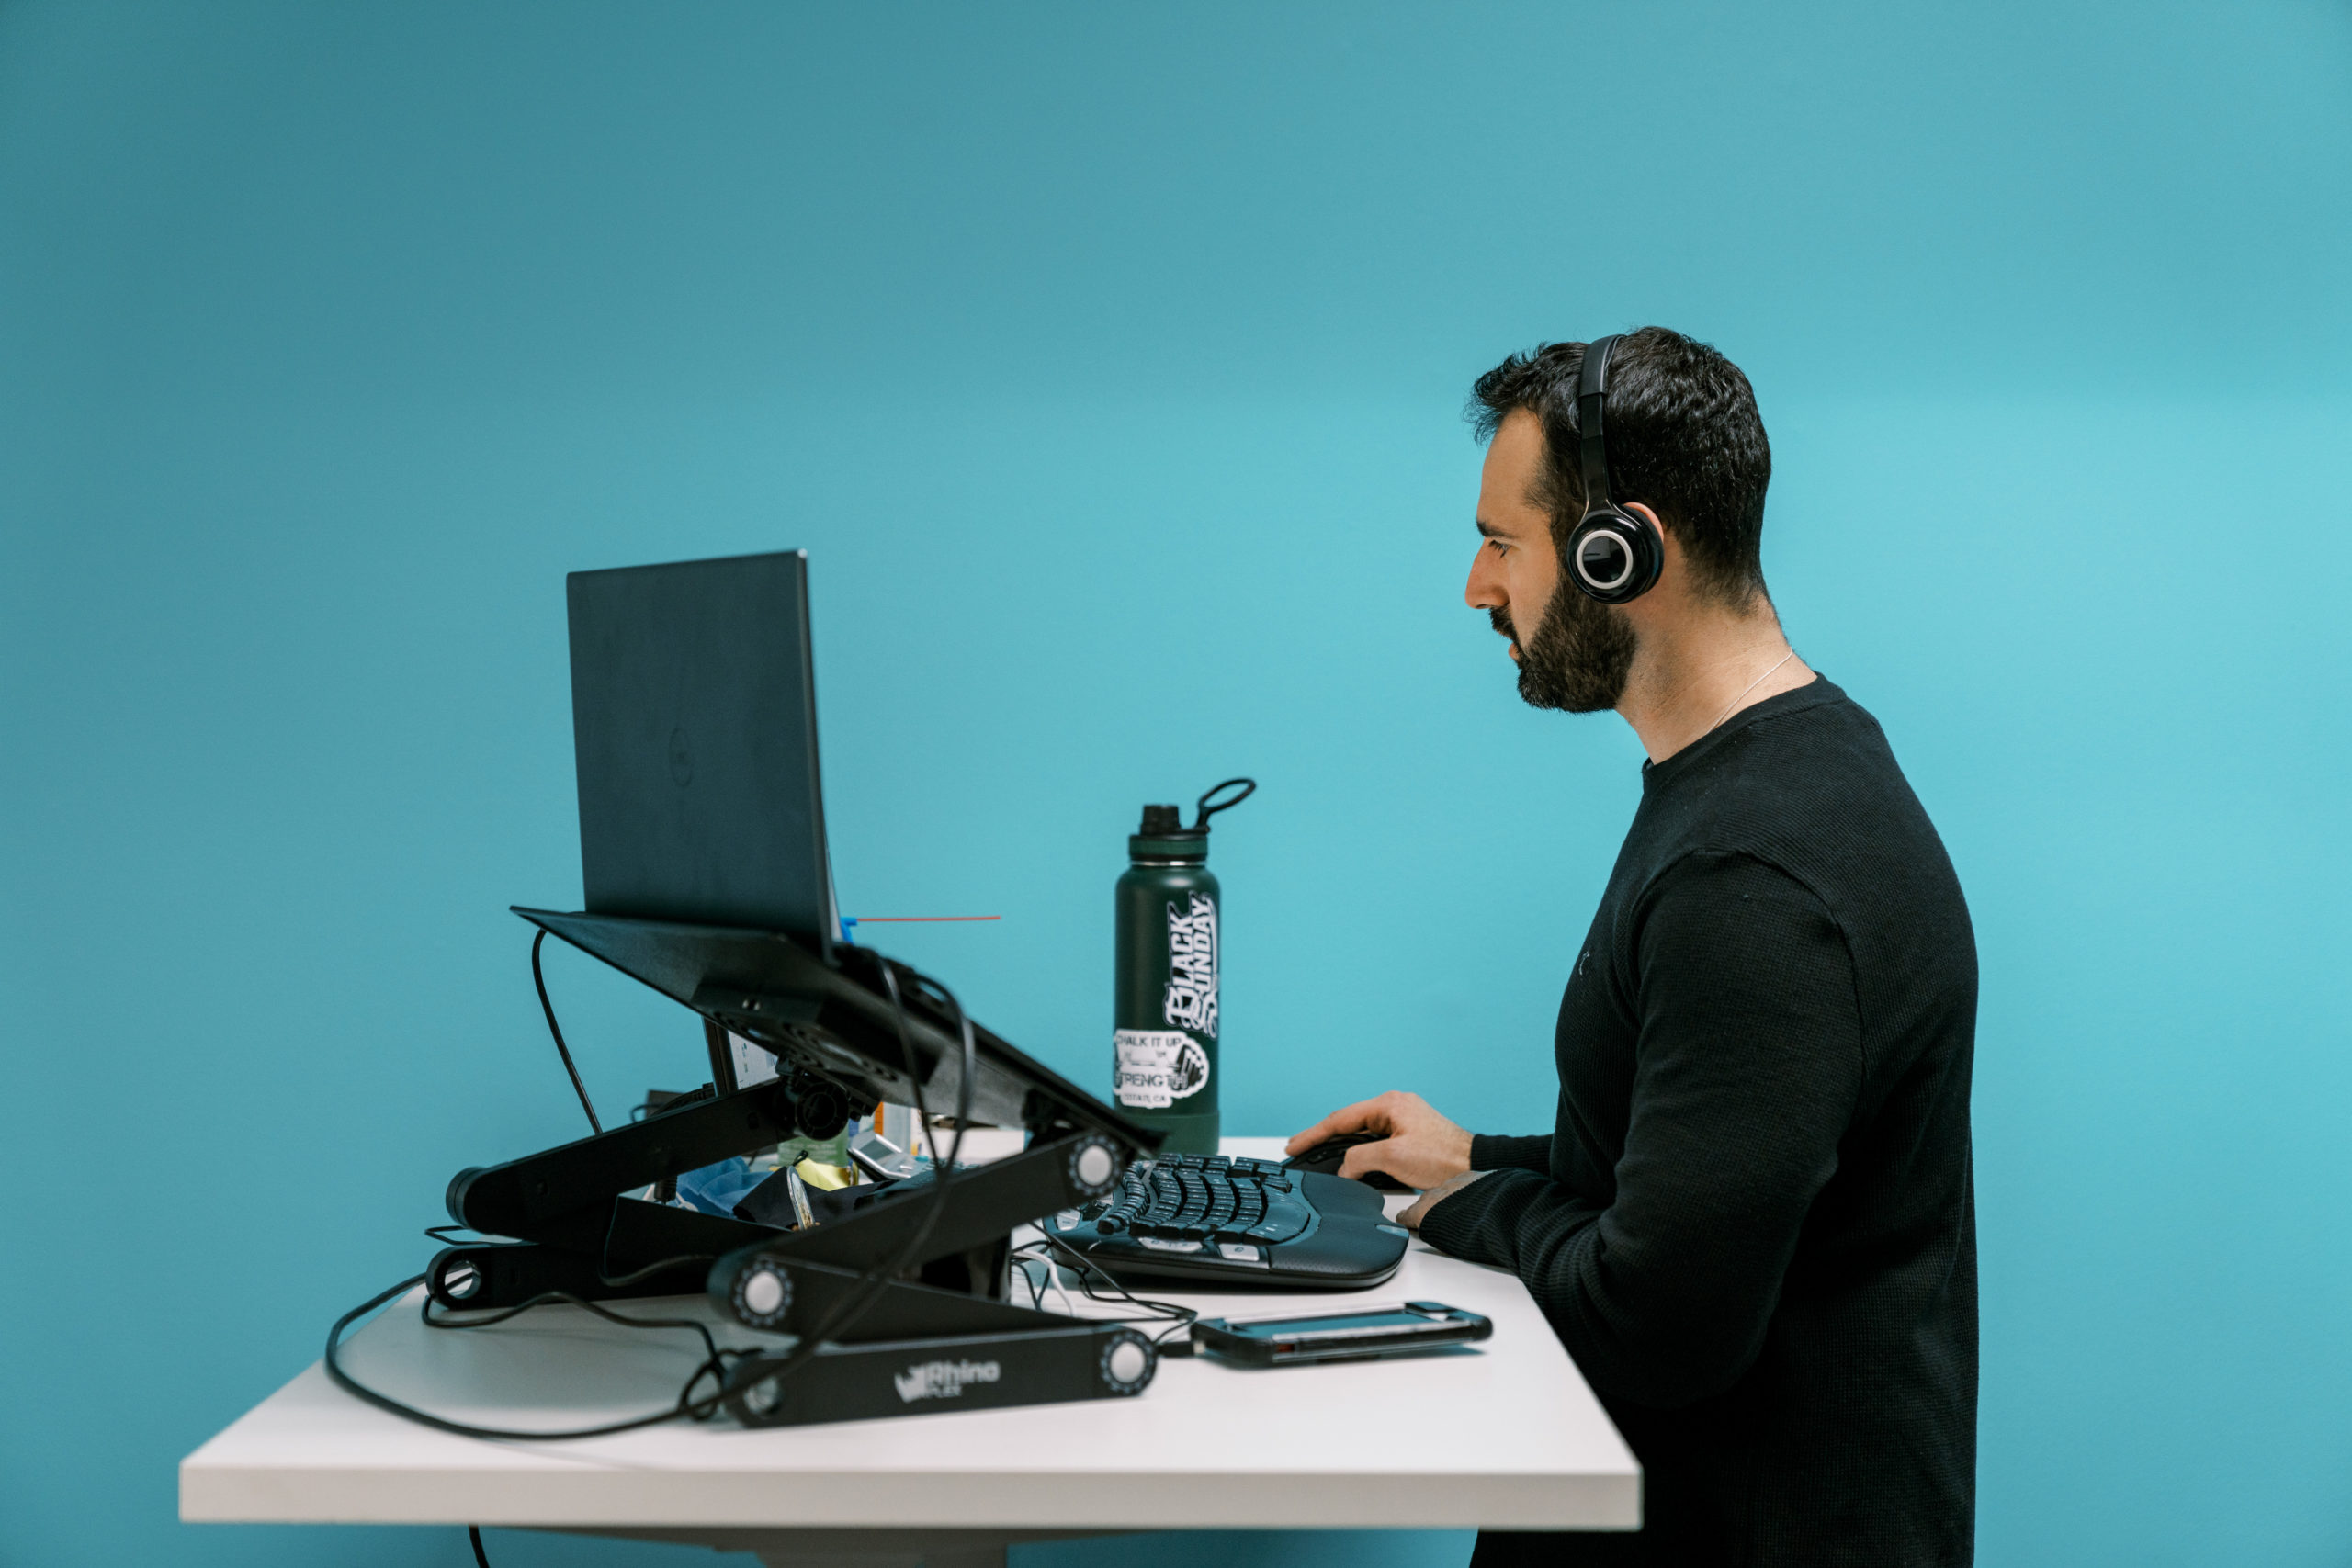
point(1156, 1067)
point(1191, 1000)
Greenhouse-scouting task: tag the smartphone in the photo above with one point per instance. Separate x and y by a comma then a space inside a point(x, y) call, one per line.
point(881, 1160)
point(1337, 1336)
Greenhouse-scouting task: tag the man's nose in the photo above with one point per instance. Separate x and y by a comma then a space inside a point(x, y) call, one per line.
point(1484, 591)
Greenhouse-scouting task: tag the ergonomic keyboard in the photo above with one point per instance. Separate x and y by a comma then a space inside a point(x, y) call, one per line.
point(1235, 1221)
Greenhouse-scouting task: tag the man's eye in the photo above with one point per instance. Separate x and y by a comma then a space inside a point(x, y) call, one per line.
point(1497, 546)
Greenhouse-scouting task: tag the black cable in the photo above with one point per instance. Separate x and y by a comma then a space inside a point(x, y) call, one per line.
point(859, 1294)
point(424, 1310)
point(714, 1365)
point(1178, 1319)
point(699, 1409)
point(481, 1559)
point(616, 1282)
point(869, 1284)
point(441, 1233)
point(561, 1050)
point(1168, 1312)
point(1153, 1311)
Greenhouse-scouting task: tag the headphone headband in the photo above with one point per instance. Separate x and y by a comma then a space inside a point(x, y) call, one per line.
point(1592, 392)
point(1614, 555)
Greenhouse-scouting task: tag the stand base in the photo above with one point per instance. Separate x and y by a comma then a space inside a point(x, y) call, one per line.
point(1073, 1359)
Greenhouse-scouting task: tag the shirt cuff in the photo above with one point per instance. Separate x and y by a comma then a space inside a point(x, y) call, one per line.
point(1456, 1223)
point(1490, 1153)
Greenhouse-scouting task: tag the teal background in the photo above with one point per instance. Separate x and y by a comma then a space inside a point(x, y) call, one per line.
point(1108, 361)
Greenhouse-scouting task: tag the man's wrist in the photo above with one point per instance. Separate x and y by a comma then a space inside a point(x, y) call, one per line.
point(1418, 1210)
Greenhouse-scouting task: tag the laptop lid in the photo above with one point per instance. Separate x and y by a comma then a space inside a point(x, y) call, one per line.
point(694, 722)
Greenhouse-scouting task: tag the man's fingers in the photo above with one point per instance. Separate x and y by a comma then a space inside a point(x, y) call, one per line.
point(1365, 1158)
point(1359, 1117)
point(1322, 1131)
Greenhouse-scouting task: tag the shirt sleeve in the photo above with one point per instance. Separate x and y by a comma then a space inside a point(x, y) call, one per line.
point(1489, 1152)
point(1747, 1071)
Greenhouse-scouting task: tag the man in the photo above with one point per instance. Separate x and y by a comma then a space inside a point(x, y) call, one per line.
point(1752, 1223)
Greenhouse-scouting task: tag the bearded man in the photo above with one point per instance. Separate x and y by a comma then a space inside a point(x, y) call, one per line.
point(1752, 1223)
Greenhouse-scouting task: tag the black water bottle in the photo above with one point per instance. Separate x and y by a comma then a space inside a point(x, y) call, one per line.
point(1164, 1015)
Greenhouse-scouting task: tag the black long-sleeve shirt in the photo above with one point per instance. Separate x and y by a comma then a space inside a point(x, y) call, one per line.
point(1752, 1224)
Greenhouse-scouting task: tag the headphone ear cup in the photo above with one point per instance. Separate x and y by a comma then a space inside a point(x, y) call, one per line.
point(1614, 556)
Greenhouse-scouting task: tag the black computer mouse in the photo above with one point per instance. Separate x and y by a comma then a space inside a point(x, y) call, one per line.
point(1324, 1160)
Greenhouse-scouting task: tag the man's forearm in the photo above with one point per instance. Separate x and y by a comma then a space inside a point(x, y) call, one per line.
point(1489, 1152)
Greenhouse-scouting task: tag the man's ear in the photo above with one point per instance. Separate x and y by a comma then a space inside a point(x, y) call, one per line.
point(1669, 568)
point(1673, 545)
point(1646, 515)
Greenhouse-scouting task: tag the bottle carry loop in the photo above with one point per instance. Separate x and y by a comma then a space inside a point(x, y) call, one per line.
point(1249, 788)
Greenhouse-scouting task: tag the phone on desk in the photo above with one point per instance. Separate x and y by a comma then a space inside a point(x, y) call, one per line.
point(1338, 1335)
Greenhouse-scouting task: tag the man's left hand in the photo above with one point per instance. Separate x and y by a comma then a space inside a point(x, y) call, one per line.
point(1412, 1217)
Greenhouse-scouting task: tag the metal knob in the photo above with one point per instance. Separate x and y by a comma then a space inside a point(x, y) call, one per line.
point(763, 1295)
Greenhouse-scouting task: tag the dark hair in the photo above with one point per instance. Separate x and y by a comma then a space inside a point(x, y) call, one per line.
point(1684, 439)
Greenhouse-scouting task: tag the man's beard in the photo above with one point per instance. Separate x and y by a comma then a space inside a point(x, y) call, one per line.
point(1579, 656)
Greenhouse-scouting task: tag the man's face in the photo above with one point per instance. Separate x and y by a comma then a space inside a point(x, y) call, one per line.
point(1574, 653)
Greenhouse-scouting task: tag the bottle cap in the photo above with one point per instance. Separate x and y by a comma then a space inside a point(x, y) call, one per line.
point(1164, 836)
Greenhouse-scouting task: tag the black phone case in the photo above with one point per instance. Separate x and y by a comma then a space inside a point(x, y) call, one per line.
point(1455, 1327)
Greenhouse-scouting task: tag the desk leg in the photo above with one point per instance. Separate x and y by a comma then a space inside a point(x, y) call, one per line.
point(859, 1548)
point(885, 1549)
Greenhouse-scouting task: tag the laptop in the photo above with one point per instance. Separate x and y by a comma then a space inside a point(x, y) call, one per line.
point(694, 721)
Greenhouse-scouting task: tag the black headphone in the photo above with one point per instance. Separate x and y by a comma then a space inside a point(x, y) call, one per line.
point(1614, 555)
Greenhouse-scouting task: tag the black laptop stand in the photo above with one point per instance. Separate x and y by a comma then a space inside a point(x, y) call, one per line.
point(914, 1346)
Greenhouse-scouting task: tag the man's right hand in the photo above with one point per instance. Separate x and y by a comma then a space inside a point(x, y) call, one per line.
point(1417, 1147)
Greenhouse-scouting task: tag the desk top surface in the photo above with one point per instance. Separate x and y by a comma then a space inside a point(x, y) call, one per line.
point(1507, 1434)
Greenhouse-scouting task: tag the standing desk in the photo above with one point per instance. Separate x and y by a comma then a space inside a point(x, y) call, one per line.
point(1504, 1433)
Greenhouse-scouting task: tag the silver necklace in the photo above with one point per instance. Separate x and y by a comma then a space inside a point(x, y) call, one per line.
point(1744, 689)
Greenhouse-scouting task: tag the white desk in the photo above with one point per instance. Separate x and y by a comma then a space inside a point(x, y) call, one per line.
point(1505, 1434)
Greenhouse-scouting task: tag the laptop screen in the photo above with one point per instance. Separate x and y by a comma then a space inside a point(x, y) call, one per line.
point(694, 720)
